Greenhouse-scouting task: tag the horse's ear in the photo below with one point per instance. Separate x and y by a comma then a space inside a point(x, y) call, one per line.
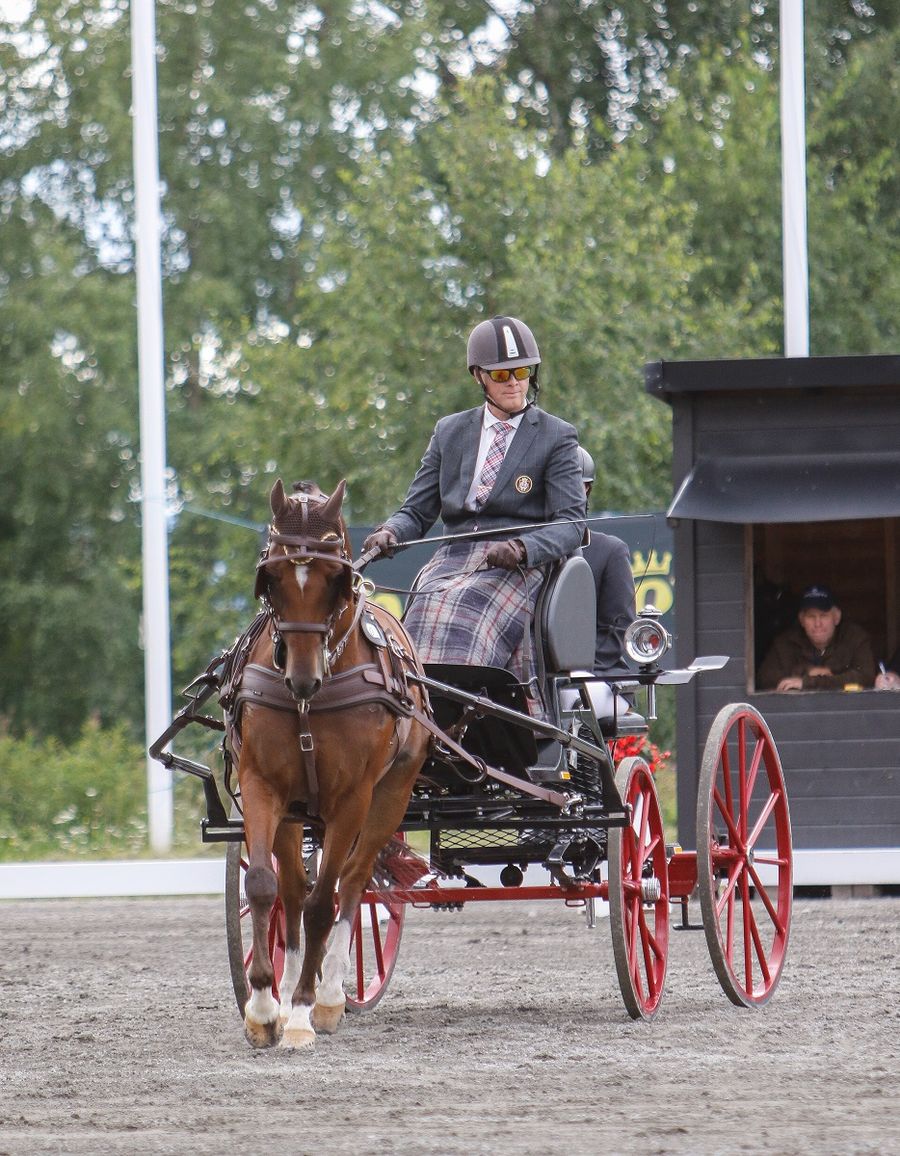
point(277, 500)
point(331, 510)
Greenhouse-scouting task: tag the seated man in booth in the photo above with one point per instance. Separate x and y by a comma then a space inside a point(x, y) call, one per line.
point(820, 651)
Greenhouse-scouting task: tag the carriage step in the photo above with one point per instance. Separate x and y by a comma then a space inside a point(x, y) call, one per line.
point(231, 831)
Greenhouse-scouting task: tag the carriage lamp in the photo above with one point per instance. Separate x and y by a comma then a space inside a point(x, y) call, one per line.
point(646, 639)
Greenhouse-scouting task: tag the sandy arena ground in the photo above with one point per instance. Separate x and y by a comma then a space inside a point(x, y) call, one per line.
point(502, 1032)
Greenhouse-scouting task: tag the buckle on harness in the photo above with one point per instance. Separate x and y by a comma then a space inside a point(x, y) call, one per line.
point(306, 741)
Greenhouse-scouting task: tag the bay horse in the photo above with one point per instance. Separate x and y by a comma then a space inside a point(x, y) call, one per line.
point(340, 750)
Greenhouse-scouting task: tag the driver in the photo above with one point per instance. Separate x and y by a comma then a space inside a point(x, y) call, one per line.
point(503, 465)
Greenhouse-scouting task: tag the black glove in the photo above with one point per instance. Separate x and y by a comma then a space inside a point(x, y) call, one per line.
point(506, 555)
point(383, 540)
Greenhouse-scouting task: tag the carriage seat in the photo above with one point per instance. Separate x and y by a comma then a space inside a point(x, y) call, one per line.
point(565, 617)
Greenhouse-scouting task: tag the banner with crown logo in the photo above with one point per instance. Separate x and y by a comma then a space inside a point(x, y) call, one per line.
point(649, 539)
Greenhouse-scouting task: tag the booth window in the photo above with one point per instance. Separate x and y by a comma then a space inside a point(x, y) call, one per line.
point(859, 560)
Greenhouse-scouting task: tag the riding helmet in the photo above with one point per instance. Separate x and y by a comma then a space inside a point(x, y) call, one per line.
point(501, 343)
point(587, 466)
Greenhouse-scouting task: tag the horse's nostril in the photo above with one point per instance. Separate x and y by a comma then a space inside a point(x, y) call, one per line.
point(303, 689)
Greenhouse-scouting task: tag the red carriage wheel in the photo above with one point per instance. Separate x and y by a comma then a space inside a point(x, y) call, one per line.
point(744, 858)
point(639, 893)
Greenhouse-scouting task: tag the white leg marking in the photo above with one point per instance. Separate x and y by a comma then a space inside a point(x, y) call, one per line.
point(293, 961)
point(335, 967)
point(298, 1031)
point(261, 1007)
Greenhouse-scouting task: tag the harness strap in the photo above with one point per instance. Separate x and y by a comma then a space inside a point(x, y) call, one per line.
point(301, 627)
point(308, 760)
point(557, 798)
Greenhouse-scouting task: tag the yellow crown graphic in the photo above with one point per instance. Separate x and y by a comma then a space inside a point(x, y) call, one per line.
point(654, 566)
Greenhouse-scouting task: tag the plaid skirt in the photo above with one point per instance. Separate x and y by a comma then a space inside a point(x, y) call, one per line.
point(459, 613)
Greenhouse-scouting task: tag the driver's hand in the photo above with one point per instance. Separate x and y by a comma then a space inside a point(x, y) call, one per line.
point(385, 541)
point(506, 555)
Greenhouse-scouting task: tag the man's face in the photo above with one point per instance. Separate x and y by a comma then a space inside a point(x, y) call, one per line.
point(509, 395)
point(820, 625)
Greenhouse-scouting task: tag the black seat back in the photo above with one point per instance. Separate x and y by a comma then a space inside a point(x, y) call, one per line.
point(566, 618)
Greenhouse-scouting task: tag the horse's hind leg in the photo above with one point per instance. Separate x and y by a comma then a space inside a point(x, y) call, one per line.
point(385, 816)
point(318, 919)
point(292, 889)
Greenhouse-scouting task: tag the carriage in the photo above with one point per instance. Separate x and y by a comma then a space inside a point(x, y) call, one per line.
point(507, 806)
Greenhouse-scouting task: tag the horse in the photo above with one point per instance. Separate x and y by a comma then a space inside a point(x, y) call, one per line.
point(342, 752)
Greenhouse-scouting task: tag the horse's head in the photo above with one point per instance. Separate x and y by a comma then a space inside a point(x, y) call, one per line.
point(306, 578)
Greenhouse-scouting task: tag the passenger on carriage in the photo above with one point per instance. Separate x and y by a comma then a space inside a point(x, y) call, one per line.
point(610, 563)
point(504, 464)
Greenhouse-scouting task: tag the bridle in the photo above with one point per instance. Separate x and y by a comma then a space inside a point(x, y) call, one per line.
point(302, 550)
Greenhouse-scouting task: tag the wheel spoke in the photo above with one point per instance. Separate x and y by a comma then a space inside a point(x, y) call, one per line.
point(376, 939)
point(725, 762)
point(360, 962)
point(763, 893)
point(725, 812)
point(748, 943)
point(742, 779)
point(767, 810)
point(734, 873)
point(755, 763)
point(760, 950)
point(649, 969)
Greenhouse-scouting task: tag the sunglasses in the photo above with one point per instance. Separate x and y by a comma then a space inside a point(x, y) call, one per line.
point(501, 375)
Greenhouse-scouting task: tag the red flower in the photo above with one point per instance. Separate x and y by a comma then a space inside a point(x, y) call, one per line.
point(630, 746)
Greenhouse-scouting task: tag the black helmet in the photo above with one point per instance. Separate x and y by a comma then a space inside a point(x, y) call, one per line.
point(587, 466)
point(502, 343)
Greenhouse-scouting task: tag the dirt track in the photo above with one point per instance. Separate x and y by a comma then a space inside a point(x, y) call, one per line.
point(502, 1032)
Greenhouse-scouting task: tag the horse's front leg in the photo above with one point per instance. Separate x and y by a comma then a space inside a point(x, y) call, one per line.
point(262, 1025)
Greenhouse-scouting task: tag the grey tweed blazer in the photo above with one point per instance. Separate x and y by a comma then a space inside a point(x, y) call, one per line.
point(540, 480)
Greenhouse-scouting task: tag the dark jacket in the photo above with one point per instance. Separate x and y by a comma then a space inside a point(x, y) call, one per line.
point(848, 655)
point(611, 563)
point(539, 481)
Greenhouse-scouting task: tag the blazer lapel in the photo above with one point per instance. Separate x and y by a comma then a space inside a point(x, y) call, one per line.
point(470, 437)
point(525, 435)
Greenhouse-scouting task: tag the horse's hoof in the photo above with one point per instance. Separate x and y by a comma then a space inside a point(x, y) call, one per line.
point(327, 1017)
point(298, 1038)
point(263, 1035)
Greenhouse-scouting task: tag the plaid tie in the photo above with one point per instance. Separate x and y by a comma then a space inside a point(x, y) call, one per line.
point(492, 463)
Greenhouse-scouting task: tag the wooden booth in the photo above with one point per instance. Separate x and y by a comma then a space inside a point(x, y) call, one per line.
point(786, 473)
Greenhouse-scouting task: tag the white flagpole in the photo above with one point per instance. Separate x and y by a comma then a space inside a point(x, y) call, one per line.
point(793, 181)
point(157, 674)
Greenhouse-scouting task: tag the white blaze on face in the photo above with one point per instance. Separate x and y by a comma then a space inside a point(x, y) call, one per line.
point(301, 574)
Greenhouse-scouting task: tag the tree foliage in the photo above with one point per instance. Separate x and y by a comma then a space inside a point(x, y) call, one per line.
point(347, 189)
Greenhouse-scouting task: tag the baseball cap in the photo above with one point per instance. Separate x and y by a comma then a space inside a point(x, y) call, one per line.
point(816, 598)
